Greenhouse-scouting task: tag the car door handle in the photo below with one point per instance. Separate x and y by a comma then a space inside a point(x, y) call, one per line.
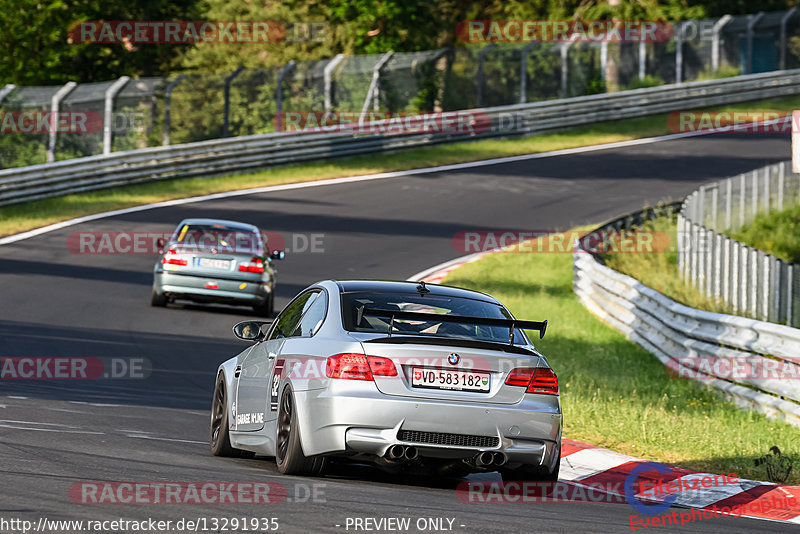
point(238, 371)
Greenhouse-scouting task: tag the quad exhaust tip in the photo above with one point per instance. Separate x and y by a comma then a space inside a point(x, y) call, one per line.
point(410, 453)
point(395, 452)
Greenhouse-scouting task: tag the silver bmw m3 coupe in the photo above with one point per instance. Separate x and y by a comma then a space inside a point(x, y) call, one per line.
point(210, 260)
point(412, 377)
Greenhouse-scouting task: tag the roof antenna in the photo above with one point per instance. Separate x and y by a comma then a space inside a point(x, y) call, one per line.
point(422, 288)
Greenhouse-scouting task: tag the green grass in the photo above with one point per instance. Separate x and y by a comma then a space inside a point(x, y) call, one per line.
point(614, 393)
point(776, 233)
point(21, 217)
point(659, 270)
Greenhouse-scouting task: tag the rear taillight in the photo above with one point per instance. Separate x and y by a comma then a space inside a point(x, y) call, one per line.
point(358, 367)
point(166, 260)
point(540, 380)
point(256, 265)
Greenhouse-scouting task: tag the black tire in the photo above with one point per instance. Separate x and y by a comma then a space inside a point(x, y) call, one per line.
point(288, 451)
point(220, 437)
point(159, 300)
point(265, 309)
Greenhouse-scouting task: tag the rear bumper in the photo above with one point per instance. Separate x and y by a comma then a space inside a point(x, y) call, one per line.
point(195, 288)
point(527, 433)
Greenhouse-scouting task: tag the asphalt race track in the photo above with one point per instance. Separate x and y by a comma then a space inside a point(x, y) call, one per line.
point(58, 303)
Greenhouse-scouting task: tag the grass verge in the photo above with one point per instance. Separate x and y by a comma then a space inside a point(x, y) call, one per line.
point(21, 217)
point(614, 393)
point(776, 233)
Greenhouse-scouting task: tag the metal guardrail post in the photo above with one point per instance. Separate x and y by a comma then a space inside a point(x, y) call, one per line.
point(479, 75)
point(5, 91)
point(565, 64)
point(717, 29)
point(328, 81)
point(108, 112)
point(523, 72)
point(279, 94)
point(168, 107)
point(227, 105)
point(54, 102)
point(750, 30)
point(784, 21)
point(373, 85)
point(679, 36)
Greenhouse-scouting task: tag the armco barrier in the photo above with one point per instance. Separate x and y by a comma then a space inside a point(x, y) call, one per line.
point(230, 155)
point(673, 331)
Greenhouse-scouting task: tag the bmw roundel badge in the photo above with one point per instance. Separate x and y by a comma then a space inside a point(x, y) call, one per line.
point(453, 359)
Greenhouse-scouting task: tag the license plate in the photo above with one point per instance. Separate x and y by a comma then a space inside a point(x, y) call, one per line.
point(212, 263)
point(447, 379)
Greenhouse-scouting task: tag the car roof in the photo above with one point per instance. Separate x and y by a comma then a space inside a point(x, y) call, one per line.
point(243, 226)
point(346, 286)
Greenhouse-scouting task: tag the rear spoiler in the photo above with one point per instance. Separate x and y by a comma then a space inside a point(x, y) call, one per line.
point(511, 324)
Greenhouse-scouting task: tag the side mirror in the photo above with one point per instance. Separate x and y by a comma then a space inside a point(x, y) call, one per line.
point(250, 330)
point(277, 254)
point(160, 244)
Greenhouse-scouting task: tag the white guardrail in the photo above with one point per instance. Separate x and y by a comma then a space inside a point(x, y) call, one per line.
point(715, 349)
point(229, 155)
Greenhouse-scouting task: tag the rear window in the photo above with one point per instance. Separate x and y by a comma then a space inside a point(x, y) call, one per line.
point(218, 237)
point(354, 304)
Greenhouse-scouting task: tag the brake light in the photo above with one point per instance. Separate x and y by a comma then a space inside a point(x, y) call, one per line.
point(382, 366)
point(544, 381)
point(358, 367)
point(173, 261)
point(348, 367)
point(256, 265)
point(538, 380)
point(520, 376)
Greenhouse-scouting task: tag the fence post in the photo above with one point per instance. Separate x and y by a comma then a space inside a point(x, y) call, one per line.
point(565, 65)
point(642, 58)
point(717, 289)
point(726, 270)
point(108, 111)
point(708, 261)
point(523, 72)
point(744, 269)
point(753, 282)
point(328, 82)
point(227, 103)
point(766, 277)
point(781, 185)
point(736, 256)
point(279, 94)
point(168, 107)
point(755, 194)
point(767, 180)
point(742, 185)
point(750, 30)
point(679, 50)
point(784, 21)
point(479, 75)
point(714, 204)
point(54, 102)
point(603, 59)
point(728, 202)
point(715, 41)
point(373, 85)
point(790, 296)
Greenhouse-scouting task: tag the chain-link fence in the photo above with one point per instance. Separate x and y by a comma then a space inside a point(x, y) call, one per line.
point(52, 123)
point(752, 282)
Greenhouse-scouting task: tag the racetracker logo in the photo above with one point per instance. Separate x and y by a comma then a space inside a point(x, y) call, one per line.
point(73, 368)
point(177, 493)
point(593, 31)
point(547, 241)
point(383, 122)
point(43, 122)
point(736, 369)
point(131, 32)
point(538, 492)
point(221, 242)
point(755, 121)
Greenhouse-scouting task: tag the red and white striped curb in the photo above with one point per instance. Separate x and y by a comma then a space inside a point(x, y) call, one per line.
point(590, 466)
